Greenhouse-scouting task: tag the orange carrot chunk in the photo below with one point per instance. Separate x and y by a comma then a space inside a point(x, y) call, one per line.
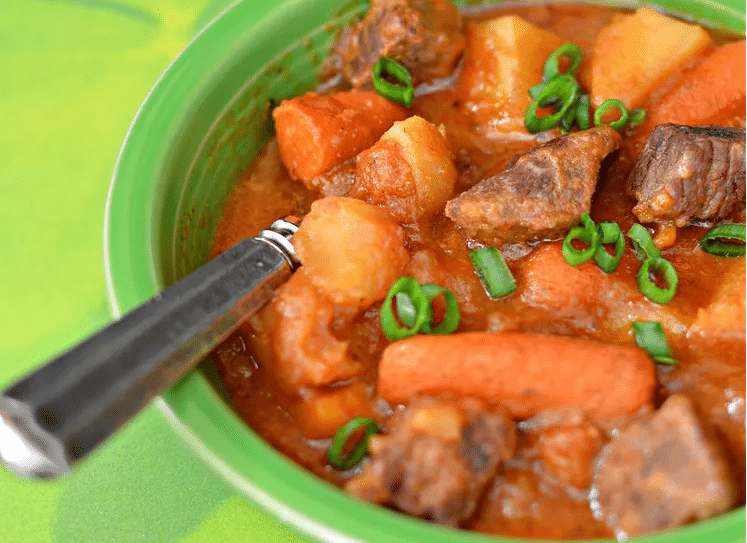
point(711, 92)
point(524, 372)
point(318, 132)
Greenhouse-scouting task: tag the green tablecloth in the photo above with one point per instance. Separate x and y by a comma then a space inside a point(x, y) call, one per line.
point(72, 75)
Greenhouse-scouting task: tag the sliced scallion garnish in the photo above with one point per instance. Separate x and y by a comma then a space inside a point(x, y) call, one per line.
point(587, 233)
point(335, 454)
point(649, 335)
point(564, 90)
point(648, 288)
point(609, 233)
point(637, 115)
point(551, 67)
point(402, 92)
point(643, 245)
point(417, 299)
point(607, 105)
point(451, 317)
point(724, 240)
point(493, 272)
point(583, 112)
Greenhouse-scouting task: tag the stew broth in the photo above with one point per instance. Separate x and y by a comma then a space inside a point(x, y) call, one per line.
point(543, 489)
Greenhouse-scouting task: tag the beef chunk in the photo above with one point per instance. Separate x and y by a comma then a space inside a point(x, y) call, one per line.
point(437, 459)
point(423, 35)
point(662, 471)
point(690, 173)
point(540, 194)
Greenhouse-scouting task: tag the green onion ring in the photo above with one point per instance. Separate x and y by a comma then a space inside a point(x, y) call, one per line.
point(643, 245)
point(568, 50)
point(402, 93)
point(335, 452)
point(451, 316)
point(587, 233)
point(713, 242)
point(607, 105)
point(649, 335)
point(566, 123)
point(609, 232)
point(637, 115)
point(648, 288)
point(563, 88)
point(494, 275)
point(583, 108)
point(392, 330)
point(535, 90)
point(406, 312)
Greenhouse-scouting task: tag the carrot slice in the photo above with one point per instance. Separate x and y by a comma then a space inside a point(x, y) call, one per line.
point(525, 372)
point(318, 132)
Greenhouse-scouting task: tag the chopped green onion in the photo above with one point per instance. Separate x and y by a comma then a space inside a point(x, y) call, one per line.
point(411, 288)
point(535, 90)
point(588, 234)
point(720, 241)
point(403, 92)
point(451, 315)
point(609, 232)
point(648, 288)
point(643, 245)
point(566, 123)
point(650, 336)
point(493, 272)
point(637, 115)
point(606, 106)
point(337, 459)
point(583, 108)
point(570, 51)
point(406, 311)
point(563, 89)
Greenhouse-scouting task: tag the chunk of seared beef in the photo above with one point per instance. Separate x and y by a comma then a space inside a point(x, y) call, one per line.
point(688, 173)
point(540, 194)
point(663, 471)
point(436, 459)
point(423, 35)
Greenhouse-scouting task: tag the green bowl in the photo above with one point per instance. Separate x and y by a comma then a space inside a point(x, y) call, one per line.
point(196, 132)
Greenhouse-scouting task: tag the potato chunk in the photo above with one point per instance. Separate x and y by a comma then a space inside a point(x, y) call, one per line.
point(505, 57)
point(351, 250)
point(636, 54)
point(410, 171)
point(306, 351)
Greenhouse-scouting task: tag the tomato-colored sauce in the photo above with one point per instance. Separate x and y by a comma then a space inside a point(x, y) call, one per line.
point(526, 499)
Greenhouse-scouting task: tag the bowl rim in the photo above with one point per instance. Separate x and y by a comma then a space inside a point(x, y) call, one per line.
point(188, 405)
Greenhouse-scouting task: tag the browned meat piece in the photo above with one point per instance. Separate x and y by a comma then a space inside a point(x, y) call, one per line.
point(437, 459)
point(423, 35)
point(663, 471)
point(690, 173)
point(540, 194)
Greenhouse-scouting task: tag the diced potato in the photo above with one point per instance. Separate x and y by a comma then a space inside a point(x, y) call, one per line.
point(638, 53)
point(410, 171)
point(306, 352)
point(351, 250)
point(321, 414)
point(505, 58)
point(725, 315)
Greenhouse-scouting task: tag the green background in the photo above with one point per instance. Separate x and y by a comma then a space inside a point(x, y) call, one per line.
point(72, 76)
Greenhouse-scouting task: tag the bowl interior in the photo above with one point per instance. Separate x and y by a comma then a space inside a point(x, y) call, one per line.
point(196, 133)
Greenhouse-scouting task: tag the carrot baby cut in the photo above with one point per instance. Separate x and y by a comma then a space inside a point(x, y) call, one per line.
point(317, 132)
point(524, 372)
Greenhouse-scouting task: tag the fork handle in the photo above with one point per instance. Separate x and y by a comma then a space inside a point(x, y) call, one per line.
point(59, 413)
